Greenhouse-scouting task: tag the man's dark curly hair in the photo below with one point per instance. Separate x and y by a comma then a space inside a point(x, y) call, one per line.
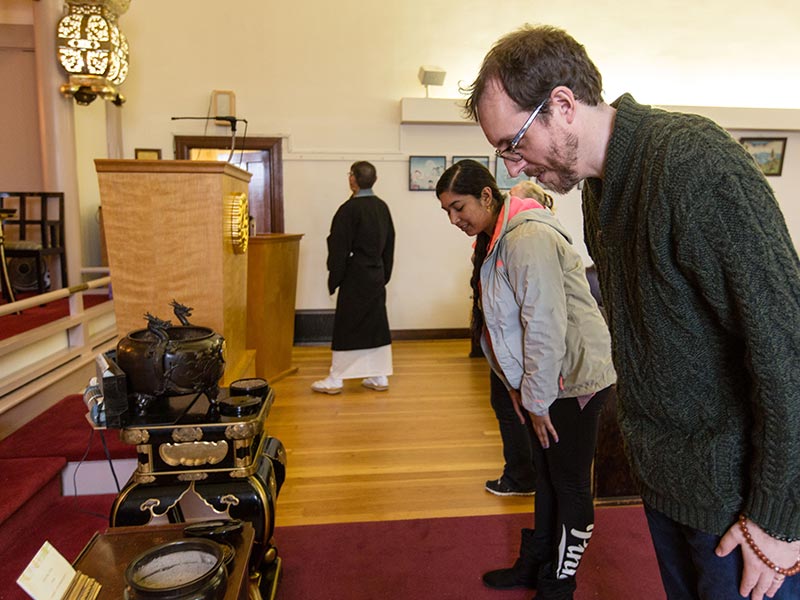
point(530, 62)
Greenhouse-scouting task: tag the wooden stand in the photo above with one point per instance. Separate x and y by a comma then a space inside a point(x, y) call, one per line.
point(165, 230)
point(107, 555)
point(271, 293)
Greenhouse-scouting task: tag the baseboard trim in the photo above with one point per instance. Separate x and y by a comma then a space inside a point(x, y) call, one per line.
point(430, 334)
point(96, 476)
point(315, 327)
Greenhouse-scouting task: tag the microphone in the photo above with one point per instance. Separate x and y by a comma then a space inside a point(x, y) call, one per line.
point(228, 119)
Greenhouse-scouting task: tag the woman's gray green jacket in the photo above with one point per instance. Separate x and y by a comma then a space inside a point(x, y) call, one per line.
point(546, 335)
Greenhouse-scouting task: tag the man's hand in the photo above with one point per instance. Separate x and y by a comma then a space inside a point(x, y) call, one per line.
point(757, 578)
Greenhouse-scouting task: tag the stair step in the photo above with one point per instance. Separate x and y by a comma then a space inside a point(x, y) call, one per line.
point(67, 522)
point(62, 430)
point(26, 481)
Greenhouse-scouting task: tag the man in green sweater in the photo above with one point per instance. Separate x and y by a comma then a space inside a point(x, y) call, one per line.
point(702, 287)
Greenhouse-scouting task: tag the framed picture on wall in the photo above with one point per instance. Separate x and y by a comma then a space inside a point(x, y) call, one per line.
point(767, 152)
point(424, 172)
point(484, 160)
point(504, 180)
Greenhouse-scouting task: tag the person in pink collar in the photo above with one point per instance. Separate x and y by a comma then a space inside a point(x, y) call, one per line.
point(519, 474)
point(547, 341)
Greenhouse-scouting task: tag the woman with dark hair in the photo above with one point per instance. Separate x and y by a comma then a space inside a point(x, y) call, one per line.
point(546, 340)
point(519, 474)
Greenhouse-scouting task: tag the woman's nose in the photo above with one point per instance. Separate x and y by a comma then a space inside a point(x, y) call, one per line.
point(453, 218)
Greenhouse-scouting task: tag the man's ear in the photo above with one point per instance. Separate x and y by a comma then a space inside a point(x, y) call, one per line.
point(563, 103)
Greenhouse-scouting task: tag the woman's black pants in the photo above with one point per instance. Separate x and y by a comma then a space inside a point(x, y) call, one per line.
point(518, 439)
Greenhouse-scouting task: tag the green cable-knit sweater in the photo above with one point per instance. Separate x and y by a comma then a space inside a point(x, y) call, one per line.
point(702, 287)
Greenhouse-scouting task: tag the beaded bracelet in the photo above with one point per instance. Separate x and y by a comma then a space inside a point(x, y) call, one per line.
point(793, 570)
point(780, 536)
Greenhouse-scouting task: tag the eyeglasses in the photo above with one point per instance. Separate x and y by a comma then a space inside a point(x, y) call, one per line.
point(510, 151)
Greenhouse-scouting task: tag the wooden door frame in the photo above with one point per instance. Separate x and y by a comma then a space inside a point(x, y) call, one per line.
point(185, 143)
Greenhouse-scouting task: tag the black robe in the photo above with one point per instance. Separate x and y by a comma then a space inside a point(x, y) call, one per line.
point(360, 259)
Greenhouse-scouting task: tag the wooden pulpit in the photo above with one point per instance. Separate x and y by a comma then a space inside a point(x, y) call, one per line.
point(271, 294)
point(170, 228)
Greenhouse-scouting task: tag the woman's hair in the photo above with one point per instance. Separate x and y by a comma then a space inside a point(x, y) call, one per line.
point(529, 189)
point(532, 61)
point(468, 177)
point(364, 174)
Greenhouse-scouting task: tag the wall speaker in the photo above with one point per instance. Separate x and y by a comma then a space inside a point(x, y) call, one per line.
point(428, 75)
point(22, 273)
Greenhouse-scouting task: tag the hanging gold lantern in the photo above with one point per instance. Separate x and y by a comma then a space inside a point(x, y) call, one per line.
point(93, 50)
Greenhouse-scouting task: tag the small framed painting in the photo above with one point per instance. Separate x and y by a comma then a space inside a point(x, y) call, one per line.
point(424, 172)
point(504, 180)
point(484, 160)
point(147, 153)
point(767, 152)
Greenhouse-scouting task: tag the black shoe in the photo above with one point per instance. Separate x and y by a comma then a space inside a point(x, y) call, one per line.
point(500, 487)
point(509, 579)
point(524, 572)
point(551, 588)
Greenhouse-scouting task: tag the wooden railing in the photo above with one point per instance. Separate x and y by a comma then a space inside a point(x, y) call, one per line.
point(33, 360)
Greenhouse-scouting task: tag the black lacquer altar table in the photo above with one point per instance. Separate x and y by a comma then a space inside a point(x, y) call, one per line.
point(219, 451)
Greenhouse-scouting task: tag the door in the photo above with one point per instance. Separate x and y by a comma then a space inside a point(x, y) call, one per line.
point(259, 156)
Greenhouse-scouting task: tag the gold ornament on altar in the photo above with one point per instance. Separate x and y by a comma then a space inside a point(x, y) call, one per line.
point(193, 454)
point(92, 50)
point(237, 221)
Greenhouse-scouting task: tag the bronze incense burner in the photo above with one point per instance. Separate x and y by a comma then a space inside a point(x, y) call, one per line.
point(168, 360)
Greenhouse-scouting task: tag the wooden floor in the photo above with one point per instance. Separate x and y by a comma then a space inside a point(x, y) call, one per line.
point(424, 448)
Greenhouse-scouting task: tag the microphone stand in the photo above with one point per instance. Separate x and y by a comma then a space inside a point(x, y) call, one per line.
point(230, 120)
point(233, 137)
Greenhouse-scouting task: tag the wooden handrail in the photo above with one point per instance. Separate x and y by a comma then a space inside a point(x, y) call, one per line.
point(32, 361)
point(7, 309)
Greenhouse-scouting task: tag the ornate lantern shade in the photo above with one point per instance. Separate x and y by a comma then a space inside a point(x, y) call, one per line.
point(93, 50)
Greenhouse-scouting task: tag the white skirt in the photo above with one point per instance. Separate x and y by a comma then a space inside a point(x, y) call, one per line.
point(370, 362)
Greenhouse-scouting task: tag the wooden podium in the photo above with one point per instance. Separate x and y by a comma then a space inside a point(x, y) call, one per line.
point(168, 234)
point(271, 294)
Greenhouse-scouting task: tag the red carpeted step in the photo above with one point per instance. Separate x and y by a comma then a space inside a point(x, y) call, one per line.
point(68, 523)
point(31, 318)
point(28, 480)
point(62, 430)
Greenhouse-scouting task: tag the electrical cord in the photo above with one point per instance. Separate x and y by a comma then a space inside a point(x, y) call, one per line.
point(241, 150)
point(75, 477)
point(110, 462)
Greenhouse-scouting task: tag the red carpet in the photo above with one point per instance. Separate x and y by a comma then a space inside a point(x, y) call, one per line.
point(68, 523)
point(22, 478)
point(443, 559)
point(30, 318)
point(423, 559)
point(62, 430)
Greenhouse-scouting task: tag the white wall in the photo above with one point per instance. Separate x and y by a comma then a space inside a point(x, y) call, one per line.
point(90, 142)
point(329, 76)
